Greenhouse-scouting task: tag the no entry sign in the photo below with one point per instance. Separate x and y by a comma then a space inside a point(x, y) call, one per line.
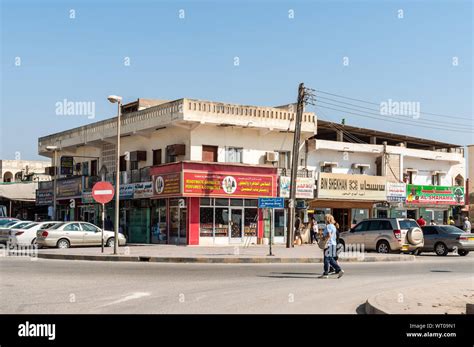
point(103, 192)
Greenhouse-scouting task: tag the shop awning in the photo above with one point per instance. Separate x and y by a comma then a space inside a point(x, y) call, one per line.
point(18, 191)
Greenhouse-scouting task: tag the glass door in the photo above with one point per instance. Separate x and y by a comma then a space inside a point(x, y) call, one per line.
point(182, 226)
point(236, 225)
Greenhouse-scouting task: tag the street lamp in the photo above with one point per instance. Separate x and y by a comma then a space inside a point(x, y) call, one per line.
point(54, 149)
point(117, 99)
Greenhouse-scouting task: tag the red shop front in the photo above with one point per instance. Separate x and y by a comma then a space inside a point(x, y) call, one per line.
point(197, 203)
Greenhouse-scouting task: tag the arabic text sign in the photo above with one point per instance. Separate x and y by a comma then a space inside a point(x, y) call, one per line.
point(435, 195)
point(222, 184)
point(167, 184)
point(143, 190)
point(304, 187)
point(351, 187)
point(271, 203)
point(396, 192)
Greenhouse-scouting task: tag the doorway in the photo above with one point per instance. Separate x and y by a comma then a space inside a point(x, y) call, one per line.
point(236, 225)
point(341, 215)
point(411, 214)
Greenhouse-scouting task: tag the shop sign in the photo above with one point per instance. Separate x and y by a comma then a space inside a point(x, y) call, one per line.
point(167, 184)
point(67, 165)
point(228, 184)
point(396, 192)
point(87, 198)
point(143, 190)
point(435, 195)
point(44, 197)
point(69, 188)
point(304, 187)
point(127, 191)
point(351, 187)
point(271, 203)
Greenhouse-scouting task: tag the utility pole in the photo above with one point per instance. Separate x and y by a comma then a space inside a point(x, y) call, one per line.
point(294, 166)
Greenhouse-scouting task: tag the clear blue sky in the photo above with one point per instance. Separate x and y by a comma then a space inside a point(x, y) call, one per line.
point(82, 59)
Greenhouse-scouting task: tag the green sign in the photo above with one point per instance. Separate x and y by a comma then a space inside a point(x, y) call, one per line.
point(434, 195)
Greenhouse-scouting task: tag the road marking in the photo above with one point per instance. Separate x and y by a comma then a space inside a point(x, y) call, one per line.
point(133, 296)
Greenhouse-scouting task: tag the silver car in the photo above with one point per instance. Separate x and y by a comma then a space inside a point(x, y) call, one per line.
point(442, 239)
point(384, 235)
point(68, 234)
point(7, 229)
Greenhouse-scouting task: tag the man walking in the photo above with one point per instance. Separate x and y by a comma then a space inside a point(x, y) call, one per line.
point(421, 222)
point(467, 225)
point(330, 251)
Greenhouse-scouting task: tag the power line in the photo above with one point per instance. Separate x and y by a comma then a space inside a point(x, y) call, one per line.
point(415, 122)
point(394, 121)
point(378, 104)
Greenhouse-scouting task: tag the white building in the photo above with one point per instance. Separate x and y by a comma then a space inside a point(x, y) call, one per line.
point(20, 170)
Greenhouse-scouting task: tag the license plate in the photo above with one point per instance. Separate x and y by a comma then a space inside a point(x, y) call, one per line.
point(404, 248)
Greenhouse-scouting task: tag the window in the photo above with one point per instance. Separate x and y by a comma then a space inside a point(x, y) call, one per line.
point(134, 165)
point(93, 168)
point(209, 153)
point(429, 231)
point(89, 227)
point(326, 168)
point(284, 159)
point(221, 216)
point(250, 222)
point(234, 155)
point(72, 227)
point(407, 224)
point(123, 163)
point(157, 157)
point(380, 225)
point(363, 226)
point(207, 221)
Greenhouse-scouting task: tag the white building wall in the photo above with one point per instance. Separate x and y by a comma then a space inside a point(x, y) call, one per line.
point(345, 160)
point(426, 167)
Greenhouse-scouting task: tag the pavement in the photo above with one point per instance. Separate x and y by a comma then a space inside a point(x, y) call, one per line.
point(223, 254)
point(35, 285)
point(444, 298)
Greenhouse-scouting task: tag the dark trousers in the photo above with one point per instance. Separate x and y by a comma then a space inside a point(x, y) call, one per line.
point(329, 254)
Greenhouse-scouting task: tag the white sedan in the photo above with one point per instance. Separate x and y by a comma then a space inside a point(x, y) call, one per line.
point(26, 235)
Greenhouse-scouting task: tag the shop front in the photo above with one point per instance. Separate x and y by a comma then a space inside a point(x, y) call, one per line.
point(210, 204)
point(349, 198)
point(69, 198)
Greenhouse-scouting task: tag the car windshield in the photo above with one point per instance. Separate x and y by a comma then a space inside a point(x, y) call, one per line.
point(29, 226)
point(450, 229)
point(5, 222)
point(56, 226)
point(407, 224)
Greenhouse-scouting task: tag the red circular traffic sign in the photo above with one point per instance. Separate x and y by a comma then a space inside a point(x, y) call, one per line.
point(103, 192)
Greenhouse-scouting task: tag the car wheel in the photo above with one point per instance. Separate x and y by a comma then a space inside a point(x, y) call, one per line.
point(441, 249)
point(417, 252)
point(342, 246)
point(463, 252)
point(383, 247)
point(63, 243)
point(110, 242)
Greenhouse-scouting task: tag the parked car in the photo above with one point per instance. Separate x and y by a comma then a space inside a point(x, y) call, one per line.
point(6, 229)
point(27, 235)
point(385, 235)
point(7, 220)
point(442, 239)
point(68, 234)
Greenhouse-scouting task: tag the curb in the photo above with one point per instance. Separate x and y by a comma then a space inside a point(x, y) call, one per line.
point(372, 308)
point(217, 260)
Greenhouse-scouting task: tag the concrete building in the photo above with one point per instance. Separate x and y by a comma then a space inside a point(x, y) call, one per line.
point(21, 170)
point(470, 188)
point(249, 145)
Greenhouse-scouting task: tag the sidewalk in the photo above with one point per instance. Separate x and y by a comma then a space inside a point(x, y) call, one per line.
point(447, 298)
point(224, 254)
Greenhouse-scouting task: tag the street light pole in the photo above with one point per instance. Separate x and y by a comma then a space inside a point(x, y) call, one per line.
point(118, 100)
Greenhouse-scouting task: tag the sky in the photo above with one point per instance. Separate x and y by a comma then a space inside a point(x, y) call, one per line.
point(249, 52)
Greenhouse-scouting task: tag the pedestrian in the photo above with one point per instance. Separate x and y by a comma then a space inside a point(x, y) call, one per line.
point(314, 230)
point(467, 225)
point(297, 227)
point(330, 251)
point(421, 222)
point(433, 222)
point(338, 249)
point(109, 225)
point(451, 221)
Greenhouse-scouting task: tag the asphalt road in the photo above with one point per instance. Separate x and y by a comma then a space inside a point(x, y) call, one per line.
point(60, 286)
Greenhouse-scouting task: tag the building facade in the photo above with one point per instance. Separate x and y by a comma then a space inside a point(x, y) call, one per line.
point(24, 170)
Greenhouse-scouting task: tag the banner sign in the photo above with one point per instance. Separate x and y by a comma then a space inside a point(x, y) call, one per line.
point(228, 185)
point(304, 187)
point(143, 190)
point(69, 188)
point(396, 192)
point(126, 191)
point(44, 197)
point(435, 195)
point(351, 187)
point(167, 184)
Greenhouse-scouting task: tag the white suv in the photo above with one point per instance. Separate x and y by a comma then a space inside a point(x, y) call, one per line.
point(385, 235)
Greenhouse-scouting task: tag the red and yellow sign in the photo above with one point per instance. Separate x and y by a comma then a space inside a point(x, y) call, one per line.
point(228, 185)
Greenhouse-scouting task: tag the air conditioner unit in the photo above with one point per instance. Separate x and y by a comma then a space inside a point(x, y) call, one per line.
point(272, 156)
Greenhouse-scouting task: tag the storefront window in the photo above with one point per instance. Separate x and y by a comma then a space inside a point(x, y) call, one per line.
point(206, 201)
point(221, 221)
point(279, 222)
point(206, 221)
point(174, 221)
point(359, 214)
point(222, 202)
point(251, 202)
point(236, 202)
point(250, 222)
point(398, 213)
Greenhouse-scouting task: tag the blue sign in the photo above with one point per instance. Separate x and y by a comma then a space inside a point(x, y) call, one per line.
point(271, 203)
